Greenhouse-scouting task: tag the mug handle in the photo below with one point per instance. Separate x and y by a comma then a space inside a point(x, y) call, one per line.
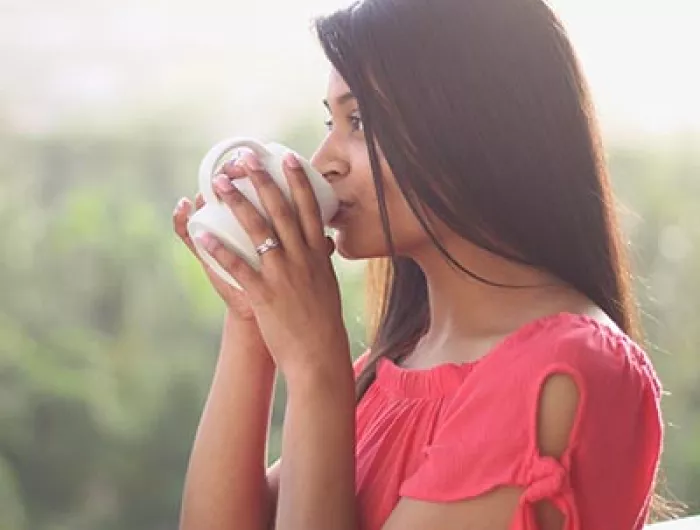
point(214, 157)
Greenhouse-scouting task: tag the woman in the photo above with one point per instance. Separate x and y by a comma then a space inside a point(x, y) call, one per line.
point(503, 388)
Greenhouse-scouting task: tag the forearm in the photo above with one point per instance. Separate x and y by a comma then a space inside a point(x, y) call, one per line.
point(225, 486)
point(317, 482)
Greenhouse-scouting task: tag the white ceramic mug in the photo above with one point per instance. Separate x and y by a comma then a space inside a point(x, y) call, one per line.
point(216, 218)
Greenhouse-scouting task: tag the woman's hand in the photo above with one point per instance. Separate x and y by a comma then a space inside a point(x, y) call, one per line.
point(295, 295)
point(235, 299)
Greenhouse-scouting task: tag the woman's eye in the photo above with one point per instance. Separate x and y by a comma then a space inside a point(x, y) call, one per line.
point(356, 122)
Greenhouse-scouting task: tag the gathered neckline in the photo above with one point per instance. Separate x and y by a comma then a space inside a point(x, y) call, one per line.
point(444, 379)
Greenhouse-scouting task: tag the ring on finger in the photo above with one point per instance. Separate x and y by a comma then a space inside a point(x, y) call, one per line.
point(269, 244)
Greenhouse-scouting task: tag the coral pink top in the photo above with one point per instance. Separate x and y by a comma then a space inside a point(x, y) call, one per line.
point(454, 432)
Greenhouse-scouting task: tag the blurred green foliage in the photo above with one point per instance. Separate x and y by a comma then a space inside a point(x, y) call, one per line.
point(109, 330)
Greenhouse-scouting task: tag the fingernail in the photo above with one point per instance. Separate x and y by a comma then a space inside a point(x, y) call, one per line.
point(252, 162)
point(209, 242)
point(292, 161)
point(228, 166)
point(223, 184)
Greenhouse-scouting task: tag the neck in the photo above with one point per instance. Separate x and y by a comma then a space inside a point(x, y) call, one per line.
point(464, 310)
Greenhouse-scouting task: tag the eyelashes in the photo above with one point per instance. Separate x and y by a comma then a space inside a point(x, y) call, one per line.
point(354, 121)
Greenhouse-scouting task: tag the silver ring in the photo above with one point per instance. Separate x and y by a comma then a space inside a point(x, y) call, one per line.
point(266, 245)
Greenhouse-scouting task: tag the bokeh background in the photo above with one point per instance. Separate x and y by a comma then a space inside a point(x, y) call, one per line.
point(108, 329)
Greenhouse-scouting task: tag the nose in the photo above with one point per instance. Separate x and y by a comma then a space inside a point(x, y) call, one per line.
point(329, 161)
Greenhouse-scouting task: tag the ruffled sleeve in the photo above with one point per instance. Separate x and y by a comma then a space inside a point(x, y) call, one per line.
point(489, 436)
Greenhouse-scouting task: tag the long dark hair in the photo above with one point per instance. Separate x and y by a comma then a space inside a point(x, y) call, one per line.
point(484, 116)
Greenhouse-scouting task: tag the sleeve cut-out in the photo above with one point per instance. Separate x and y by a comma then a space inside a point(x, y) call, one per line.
point(601, 433)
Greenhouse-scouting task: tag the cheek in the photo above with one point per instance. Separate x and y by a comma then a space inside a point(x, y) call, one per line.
point(406, 230)
point(363, 236)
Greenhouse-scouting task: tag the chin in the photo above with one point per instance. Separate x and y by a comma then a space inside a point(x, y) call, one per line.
point(352, 247)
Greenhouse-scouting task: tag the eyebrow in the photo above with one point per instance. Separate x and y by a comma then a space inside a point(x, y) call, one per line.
point(340, 100)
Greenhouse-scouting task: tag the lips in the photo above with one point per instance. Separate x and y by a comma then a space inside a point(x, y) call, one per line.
point(341, 215)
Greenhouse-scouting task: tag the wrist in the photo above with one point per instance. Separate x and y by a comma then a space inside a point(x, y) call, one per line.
point(244, 328)
point(321, 379)
point(233, 316)
point(323, 357)
point(241, 338)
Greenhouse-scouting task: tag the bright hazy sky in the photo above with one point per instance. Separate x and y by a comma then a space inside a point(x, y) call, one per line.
point(247, 66)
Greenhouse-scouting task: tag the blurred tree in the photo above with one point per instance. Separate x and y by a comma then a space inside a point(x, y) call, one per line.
point(109, 331)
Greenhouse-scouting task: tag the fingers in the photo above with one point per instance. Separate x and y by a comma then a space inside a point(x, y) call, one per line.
point(199, 201)
point(252, 222)
point(306, 203)
point(242, 272)
point(234, 169)
point(181, 215)
point(281, 213)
